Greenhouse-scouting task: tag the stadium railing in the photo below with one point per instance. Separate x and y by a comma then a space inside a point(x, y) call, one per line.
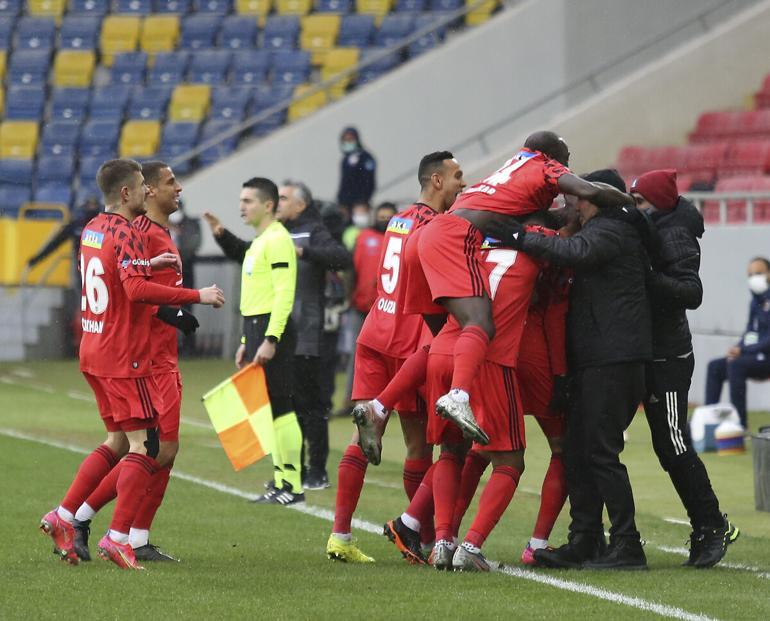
point(738, 208)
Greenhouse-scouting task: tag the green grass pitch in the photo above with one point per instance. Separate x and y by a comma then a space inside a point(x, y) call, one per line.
point(241, 561)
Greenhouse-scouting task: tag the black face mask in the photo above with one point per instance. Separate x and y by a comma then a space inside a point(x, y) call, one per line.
point(381, 226)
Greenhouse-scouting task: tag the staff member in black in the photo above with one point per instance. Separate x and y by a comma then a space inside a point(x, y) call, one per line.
point(674, 287)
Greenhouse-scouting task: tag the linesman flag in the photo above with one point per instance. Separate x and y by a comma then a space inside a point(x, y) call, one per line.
point(239, 409)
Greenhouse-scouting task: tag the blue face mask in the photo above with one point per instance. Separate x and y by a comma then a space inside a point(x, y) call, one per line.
point(348, 146)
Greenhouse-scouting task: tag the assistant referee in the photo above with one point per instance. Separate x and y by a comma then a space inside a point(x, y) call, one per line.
point(268, 283)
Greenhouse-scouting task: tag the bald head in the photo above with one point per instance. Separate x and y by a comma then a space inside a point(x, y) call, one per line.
point(550, 144)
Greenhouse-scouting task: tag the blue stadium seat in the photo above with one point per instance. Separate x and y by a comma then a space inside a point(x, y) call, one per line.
point(291, 67)
point(281, 32)
point(229, 103)
point(88, 7)
point(6, 31)
point(99, 139)
point(199, 31)
point(393, 29)
point(24, 103)
point(12, 197)
point(250, 67)
point(212, 129)
point(376, 69)
point(59, 138)
point(69, 104)
point(149, 102)
point(209, 67)
point(334, 6)
point(215, 7)
point(53, 192)
point(55, 168)
point(410, 6)
point(29, 67)
point(10, 8)
point(180, 133)
point(132, 7)
point(356, 31)
point(238, 32)
point(79, 32)
point(169, 152)
point(128, 68)
point(35, 33)
point(169, 68)
point(108, 103)
point(178, 7)
point(87, 189)
point(266, 97)
point(446, 5)
point(427, 41)
point(16, 172)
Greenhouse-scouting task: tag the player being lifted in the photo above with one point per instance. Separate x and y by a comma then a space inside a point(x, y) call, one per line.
point(115, 358)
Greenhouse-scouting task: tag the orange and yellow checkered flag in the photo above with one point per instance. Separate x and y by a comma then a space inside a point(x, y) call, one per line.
point(239, 409)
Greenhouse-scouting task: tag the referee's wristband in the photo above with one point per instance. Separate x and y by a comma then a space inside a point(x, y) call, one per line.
point(271, 339)
point(243, 340)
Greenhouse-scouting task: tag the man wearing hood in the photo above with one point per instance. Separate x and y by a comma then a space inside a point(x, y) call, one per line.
point(317, 252)
point(358, 170)
point(673, 287)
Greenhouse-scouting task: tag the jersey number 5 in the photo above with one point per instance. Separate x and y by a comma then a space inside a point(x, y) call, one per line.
point(392, 261)
point(95, 292)
point(503, 259)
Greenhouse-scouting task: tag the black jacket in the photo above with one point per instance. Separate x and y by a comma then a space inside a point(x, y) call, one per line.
point(674, 285)
point(320, 252)
point(357, 178)
point(609, 319)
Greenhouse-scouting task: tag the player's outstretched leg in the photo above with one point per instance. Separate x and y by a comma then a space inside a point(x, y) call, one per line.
point(62, 534)
point(406, 539)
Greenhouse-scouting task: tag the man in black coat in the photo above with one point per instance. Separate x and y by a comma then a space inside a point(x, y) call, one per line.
point(358, 170)
point(674, 287)
point(317, 252)
point(608, 342)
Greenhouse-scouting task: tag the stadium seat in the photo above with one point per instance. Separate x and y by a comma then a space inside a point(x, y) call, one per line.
point(308, 105)
point(35, 33)
point(212, 129)
point(149, 102)
point(229, 103)
point(88, 167)
point(754, 124)
point(209, 66)
point(180, 133)
point(735, 210)
point(74, 68)
point(99, 138)
point(46, 8)
point(281, 32)
point(176, 7)
point(60, 138)
point(55, 168)
point(293, 7)
point(437, 6)
point(190, 102)
point(128, 68)
point(266, 97)
point(18, 139)
point(10, 8)
point(393, 29)
point(159, 33)
point(6, 31)
point(199, 31)
point(291, 67)
point(746, 158)
point(169, 68)
point(336, 61)
point(79, 32)
point(427, 41)
point(378, 67)
point(762, 97)
point(29, 67)
point(89, 7)
point(132, 7)
point(24, 103)
point(53, 192)
point(109, 103)
point(16, 172)
point(238, 32)
point(319, 33)
point(250, 67)
point(258, 8)
point(69, 104)
point(356, 31)
point(703, 160)
point(481, 13)
point(761, 207)
point(378, 8)
point(139, 139)
point(715, 125)
point(341, 7)
point(120, 33)
point(12, 197)
point(630, 160)
point(216, 7)
point(410, 6)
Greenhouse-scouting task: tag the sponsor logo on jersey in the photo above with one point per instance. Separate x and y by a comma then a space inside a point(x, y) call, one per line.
point(141, 262)
point(400, 226)
point(386, 306)
point(93, 239)
point(490, 242)
point(91, 325)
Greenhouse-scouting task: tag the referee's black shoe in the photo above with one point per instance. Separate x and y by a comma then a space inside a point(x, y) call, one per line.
point(623, 553)
point(580, 548)
point(714, 542)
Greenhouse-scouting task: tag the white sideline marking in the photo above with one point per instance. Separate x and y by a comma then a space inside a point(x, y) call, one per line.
point(758, 571)
point(663, 610)
point(671, 520)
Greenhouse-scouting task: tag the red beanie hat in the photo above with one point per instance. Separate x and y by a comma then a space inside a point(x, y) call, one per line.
point(658, 187)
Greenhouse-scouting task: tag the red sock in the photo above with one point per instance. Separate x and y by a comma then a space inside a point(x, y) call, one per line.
point(552, 498)
point(350, 481)
point(446, 480)
point(469, 354)
point(106, 491)
point(421, 505)
point(136, 472)
point(152, 500)
point(409, 378)
point(92, 470)
point(414, 471)
point(494, 501)
point(474, 467)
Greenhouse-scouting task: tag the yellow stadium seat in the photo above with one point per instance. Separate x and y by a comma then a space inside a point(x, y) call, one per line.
point(260, 8)
point(310, 104)
point(3, 54)
point(159, 33)
point(2, 101)
point(319, 32)
point(293, 7)
point(46, 8)
point(336, 61)
point(18, 139)
point(120, 33)
point(74, 68)
point(378, 8)
point(189, 102)
point(139, 138)
point(481, 13)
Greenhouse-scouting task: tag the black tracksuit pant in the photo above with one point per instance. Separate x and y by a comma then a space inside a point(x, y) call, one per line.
point(665, 405)
point(312, 415)
point(604, 401)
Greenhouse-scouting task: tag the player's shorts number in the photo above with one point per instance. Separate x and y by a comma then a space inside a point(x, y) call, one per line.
point(392, 262)
point(503, 259)
point(95, 292)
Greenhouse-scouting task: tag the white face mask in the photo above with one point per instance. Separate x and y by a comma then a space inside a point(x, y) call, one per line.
point(348, 146)
point(758, 284)
point(360, 220)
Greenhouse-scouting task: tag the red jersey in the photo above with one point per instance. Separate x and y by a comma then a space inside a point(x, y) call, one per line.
point(157, 240)
point(526, 183)
point(386, 328)
point(511, 276)
point(366, 262)
point(116, 332)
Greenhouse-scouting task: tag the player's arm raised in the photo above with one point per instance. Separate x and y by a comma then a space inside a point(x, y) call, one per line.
point(603, 196)
point(233, 247)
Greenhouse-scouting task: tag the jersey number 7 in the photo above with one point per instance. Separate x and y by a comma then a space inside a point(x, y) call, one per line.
point(504, 259)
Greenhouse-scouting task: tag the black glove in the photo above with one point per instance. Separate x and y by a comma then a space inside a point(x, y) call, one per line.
point(179, 318)
point(507, 233)
point(559, 394)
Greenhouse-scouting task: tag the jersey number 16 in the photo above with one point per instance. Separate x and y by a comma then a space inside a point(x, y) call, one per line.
point(95, 292)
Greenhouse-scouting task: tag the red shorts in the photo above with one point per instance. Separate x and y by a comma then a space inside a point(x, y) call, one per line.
point(170, 386)
point(438, 383)
point(126, 403)
point(372, 372)
point(449, 250)
point(536, 385)
point(418, 299)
